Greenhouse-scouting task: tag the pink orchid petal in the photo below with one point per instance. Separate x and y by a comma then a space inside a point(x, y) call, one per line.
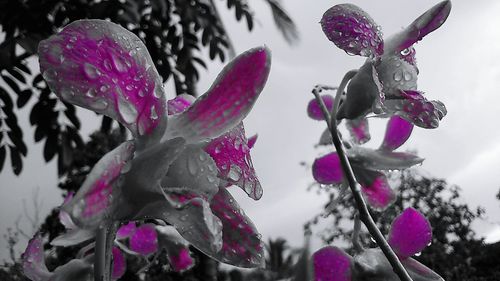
point(252, 140)
point(231, 153)
point(420, 272)
point(101, 189)
point(353, 30)
point(414, 107)
point(190, 214)
point(397, 133)
point(101, 66)
point(180, 103)
point(228, 101)
point(332, 264)
point(144, 240)
point(126, 230)
point(314, 110)
point(359, 130)
point(195, 170)
point(429, 21)
point(119, 264)
point(375, 188)
point(327, 169)
point(396, 74)
point(242, 245)
point(410, 233)
point(362, 91)
point(33, 260)
point(382, 160)
point(177, 248)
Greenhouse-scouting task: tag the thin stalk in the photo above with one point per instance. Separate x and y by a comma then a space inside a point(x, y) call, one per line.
point(100, 254)
point(103, 252)
point(364, 214)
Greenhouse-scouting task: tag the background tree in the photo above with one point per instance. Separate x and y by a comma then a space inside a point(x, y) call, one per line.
point(456, 253)
point(174, 31)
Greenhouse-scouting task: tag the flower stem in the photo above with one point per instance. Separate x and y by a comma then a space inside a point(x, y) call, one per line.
point(364, 214)
point(103, 252)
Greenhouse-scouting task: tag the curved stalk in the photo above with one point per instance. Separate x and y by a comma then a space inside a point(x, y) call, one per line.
point(364, 214)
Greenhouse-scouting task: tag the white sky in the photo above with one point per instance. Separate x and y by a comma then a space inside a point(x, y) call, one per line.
point(459, 65)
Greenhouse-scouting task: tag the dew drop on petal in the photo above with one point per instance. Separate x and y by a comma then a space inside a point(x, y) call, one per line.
point(91, 71)
point(126, 109)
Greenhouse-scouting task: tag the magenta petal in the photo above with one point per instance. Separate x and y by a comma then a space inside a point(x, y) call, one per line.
point(252, 140)
point(359, 130)
point(144, 240)
point(414, 107)
point(241, 243)
point(327, 169)
point(94, 200)
point(119, 264)
point(429, 21)
point(231, 153)
point(397, 132)
point(410, 233)
point(332, 264)
point(353, 30)
point(228, 101)
point(126, 230)
point(375, 188)
point(33, 260)
point(180, 103)
point(101, 66)
point(181, 260)
point(314, 110)
point(420, 272)
point(177, 248)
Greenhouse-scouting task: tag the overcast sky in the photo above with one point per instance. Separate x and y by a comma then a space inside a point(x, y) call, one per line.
point(459, 64)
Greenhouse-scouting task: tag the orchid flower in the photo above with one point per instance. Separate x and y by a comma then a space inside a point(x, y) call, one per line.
point(368, 164)
point(33, 263)
point(410, 233)
point(165, 172)
point(387, 82)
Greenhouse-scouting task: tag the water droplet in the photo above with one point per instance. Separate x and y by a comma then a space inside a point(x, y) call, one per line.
point(398, 75)
point(127, 110)
point(118, 62)
point(407, 76)
point(107, 65)
point(129, 87)
point(69, 46)
point(418, 254)
point(405, 52)
point(234, 173)
point(218, 148)
point(73, 39)
point(153, 115)
point(91, 71)
point(103, 88)
point(49, 75)
point(141, 93)
point(90, 93)
point(192, 165)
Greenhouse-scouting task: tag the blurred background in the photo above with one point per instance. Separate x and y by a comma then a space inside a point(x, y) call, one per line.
point(42, 141)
